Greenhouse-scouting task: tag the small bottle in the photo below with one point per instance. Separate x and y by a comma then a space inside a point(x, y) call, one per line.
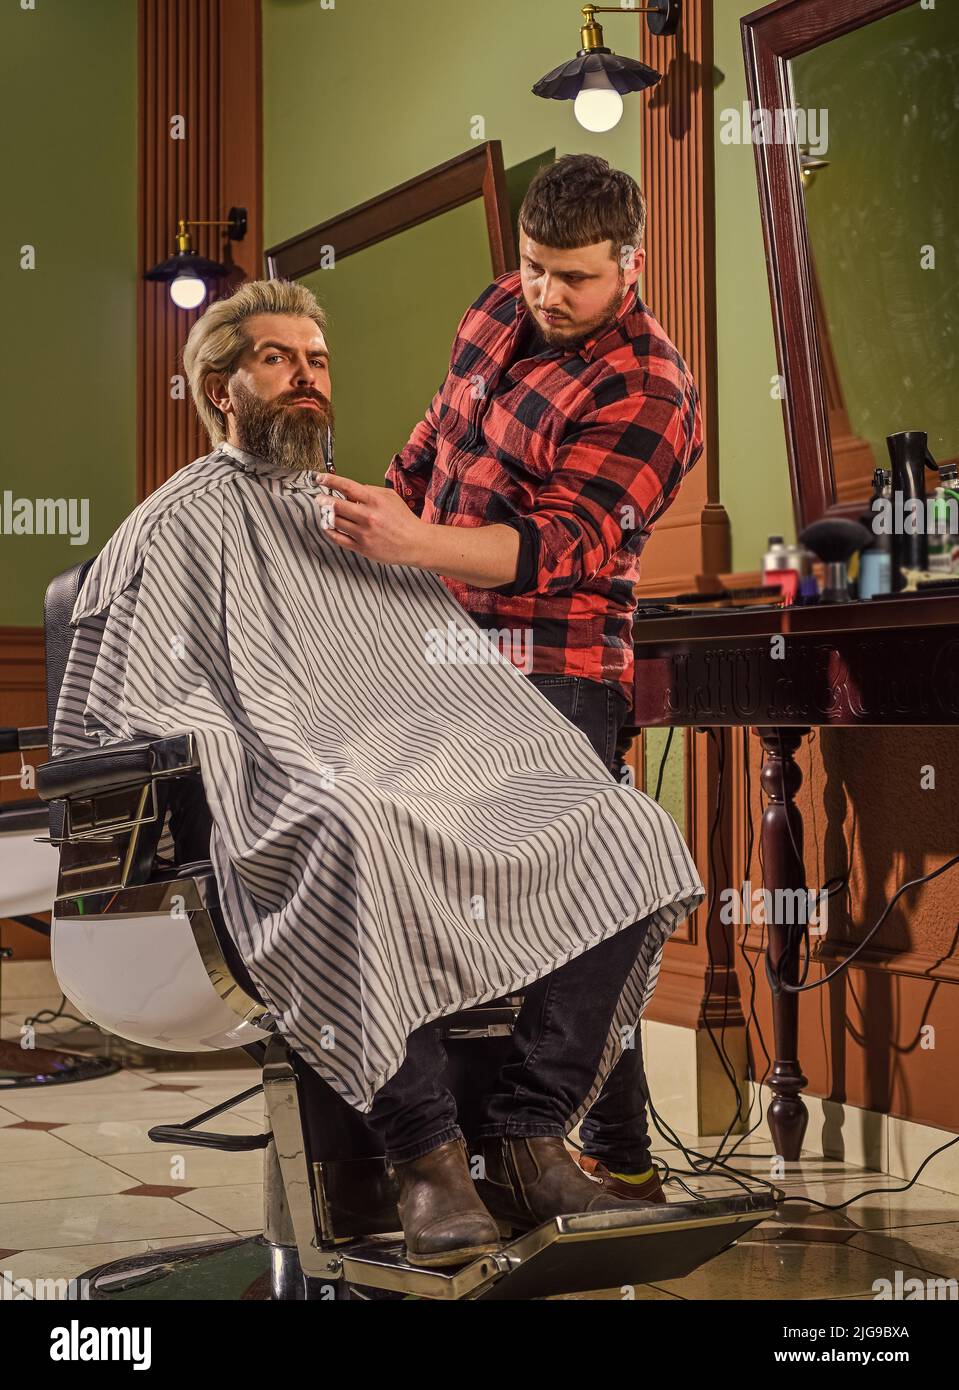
point(779, 568)
point(944, 523)
point(808, 590)
point(875, 561)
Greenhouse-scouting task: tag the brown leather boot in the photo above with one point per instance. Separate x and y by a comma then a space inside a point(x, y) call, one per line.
point(444, 1220)
point(531, 1180)
point(650, 1191)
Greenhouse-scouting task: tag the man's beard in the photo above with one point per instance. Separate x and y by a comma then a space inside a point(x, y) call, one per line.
point(552, 338)
point(286, 435)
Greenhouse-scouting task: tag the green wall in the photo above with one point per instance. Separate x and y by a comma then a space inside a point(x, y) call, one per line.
point(68, 74)
point(356, 99)
point(363, 96)
point(389, 342)
point(753, 469)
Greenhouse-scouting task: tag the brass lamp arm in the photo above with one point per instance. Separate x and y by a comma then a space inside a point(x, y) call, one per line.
point(591, 33)
point(236, 222)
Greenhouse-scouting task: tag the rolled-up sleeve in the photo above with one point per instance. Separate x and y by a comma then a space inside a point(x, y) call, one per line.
point(410, 469)
point(617, 469)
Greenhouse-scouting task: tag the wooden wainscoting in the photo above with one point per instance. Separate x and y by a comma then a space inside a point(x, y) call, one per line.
point(199, 59)
point(22, 705)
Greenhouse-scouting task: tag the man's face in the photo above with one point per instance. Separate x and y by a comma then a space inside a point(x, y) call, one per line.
point(573, 294)
point(277, 401)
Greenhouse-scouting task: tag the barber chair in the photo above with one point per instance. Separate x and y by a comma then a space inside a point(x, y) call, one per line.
point(28, 885)
point(28, 868)
point(139, 945)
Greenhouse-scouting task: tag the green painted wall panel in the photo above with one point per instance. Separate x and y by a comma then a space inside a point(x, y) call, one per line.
point(68, 75)
point(365, 95)
point(390, 343)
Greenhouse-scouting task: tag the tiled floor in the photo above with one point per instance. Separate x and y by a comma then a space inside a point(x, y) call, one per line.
point(81, 1184)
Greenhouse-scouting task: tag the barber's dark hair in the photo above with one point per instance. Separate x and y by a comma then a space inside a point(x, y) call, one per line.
point(579, 201)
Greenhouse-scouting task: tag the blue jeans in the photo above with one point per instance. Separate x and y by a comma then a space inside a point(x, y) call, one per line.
point(559, 1034)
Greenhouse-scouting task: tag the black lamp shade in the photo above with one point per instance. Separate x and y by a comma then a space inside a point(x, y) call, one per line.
point(186, 263)
point(622, 74)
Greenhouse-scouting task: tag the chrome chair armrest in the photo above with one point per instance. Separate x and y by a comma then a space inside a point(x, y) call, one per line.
point(103, 792)
point(86, 772)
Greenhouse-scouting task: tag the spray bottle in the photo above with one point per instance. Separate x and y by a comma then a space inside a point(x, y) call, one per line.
point(875, 560)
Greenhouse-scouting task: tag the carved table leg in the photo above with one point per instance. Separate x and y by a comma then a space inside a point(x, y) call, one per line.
point(781, 838)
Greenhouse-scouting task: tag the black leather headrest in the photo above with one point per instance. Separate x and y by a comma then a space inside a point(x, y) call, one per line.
point(58, 604)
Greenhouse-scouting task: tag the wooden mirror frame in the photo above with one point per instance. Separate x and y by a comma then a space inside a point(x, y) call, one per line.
point(771, 37)
point(479, 173)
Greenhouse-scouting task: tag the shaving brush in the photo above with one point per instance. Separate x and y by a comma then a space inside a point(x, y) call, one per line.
point(835, 541)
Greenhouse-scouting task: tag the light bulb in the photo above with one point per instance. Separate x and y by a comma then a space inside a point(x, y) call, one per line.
point(187, 291)
point(599, 106)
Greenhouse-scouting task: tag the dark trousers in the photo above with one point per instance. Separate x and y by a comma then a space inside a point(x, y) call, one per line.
point(560, 1032)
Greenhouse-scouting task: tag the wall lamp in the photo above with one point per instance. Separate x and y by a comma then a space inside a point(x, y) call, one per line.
point(596, 78)
point(187, 273)
point(809, 166)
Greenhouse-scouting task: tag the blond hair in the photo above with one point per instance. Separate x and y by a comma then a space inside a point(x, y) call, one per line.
point(218, 338)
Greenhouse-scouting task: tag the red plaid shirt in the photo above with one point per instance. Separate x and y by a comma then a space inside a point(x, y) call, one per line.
point(579, 451)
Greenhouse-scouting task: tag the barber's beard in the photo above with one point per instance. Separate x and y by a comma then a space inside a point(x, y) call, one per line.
point(551, 338)
point(286, 435)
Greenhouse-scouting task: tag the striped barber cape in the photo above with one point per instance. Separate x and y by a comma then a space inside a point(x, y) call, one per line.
point(403, 826)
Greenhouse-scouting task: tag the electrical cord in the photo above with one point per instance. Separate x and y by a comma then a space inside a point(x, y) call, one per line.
point(775, 977)
point(861, 945)
point(662, 762)
point(704, 1163)
point(870, 1191)
point(751, 1017)
point(720, 1047)
point(742, 948)
point(51, 1015)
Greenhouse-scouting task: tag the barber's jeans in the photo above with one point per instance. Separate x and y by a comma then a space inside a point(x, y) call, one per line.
point(560, 1031)
point(614, 1129)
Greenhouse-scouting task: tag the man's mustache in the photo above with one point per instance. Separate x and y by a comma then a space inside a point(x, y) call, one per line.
point(321, 401)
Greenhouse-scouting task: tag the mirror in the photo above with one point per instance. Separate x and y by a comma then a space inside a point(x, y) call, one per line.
point(879, 194)
point(857, 190)
point(389, 341)
point(395, 275)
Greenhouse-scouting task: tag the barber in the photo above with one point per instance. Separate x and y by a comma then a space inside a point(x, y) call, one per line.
point(563, 430)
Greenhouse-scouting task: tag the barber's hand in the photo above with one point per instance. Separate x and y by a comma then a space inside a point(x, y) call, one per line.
point(373, 520)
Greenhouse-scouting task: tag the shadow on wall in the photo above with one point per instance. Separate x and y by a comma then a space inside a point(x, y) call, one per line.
point(891, 808)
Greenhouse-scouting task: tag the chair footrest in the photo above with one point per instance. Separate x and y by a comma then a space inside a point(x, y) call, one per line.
point(206, 1139)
